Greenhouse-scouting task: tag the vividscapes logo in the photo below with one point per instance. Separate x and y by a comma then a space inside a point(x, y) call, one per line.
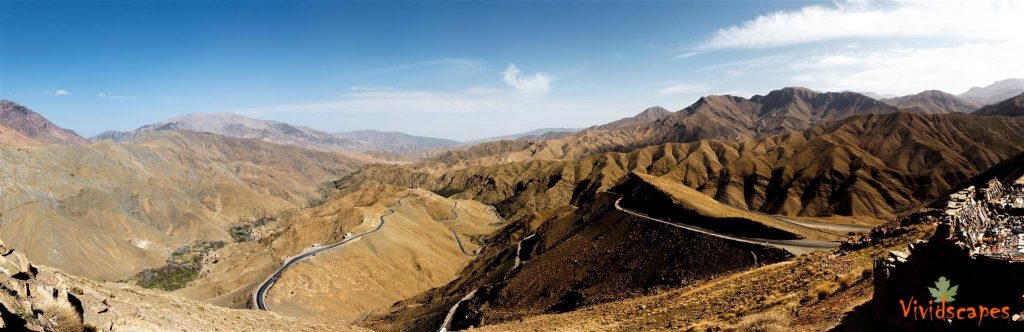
point(940, 307)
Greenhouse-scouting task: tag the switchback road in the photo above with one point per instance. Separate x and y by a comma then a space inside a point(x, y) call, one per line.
point(260, 294)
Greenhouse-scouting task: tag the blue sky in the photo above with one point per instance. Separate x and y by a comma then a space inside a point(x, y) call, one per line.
point(465, 70)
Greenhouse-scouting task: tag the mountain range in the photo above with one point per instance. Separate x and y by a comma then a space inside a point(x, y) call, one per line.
point(235, 125)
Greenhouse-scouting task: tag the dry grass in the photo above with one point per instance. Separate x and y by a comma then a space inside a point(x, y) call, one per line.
point(823, 290)
point(768, 321)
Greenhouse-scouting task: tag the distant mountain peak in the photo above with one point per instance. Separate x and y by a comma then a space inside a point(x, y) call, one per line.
point(995, 92)
point(648, 115)
point(932, 101)
point(653, 113)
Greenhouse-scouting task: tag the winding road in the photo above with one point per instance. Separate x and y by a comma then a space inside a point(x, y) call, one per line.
point(797, 247)
point(467, 253)
point(260, 294)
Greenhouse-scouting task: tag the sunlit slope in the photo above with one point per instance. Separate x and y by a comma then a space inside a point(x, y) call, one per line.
point(106, 210)
point(414, 251)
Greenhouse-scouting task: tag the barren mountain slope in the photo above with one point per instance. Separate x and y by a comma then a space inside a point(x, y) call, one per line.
point(34, 126)
point(933, 102)
point(568, 258)
point(413, 251)
point(106, 210)
point(1010, 107)
point(11, 137)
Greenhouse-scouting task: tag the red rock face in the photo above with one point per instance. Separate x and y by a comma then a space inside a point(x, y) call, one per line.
point(32, 125)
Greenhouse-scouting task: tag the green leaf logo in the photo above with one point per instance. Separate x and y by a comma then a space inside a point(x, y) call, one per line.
point(942, 291)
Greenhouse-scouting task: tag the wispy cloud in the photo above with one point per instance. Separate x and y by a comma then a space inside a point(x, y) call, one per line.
point(970, 20)
point(681, 88)
point(536, 85)
point(441, 66)
point(61, 93)
point(106, 96)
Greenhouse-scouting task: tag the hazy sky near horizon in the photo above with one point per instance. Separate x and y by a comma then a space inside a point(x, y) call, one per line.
point(471, 69)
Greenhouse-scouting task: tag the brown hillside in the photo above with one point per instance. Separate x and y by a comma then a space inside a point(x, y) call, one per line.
point(107, 210)
point(414, 251)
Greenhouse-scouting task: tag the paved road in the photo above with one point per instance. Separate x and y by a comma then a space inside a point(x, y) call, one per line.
point(451, 312)
point(260, 294)
point(467, 253)
point(797, 247)
point(455, 213)
point(842, 228)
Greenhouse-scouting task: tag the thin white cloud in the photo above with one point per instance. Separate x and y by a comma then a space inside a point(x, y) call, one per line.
point(442, 67)
point(970, 20)
point(370, 88)
point(536, 85)
point(61, 93)
point(106, 96)
point(680, 89)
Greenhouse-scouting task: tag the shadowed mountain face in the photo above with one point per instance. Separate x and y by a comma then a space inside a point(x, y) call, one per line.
point(1010, 107)
point(933, 102)
point(234, 125)
point(780, 111)
point(995, 92)
point(569, 258)
point(22, 123)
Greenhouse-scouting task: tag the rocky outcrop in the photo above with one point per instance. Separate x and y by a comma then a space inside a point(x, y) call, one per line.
point(28, 303)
